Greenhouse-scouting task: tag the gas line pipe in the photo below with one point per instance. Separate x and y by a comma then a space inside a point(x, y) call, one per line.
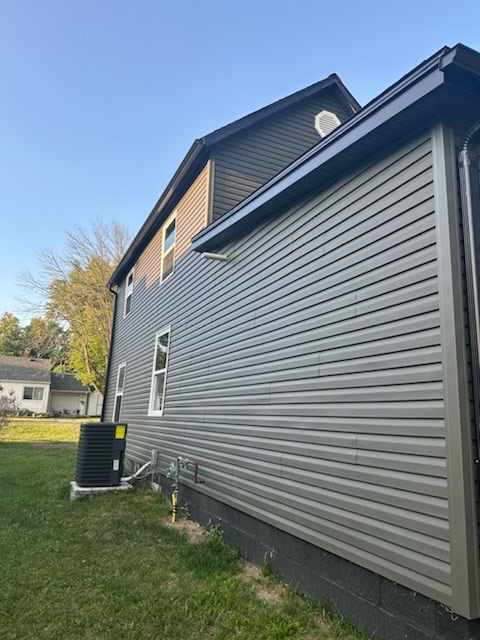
point(173, 472)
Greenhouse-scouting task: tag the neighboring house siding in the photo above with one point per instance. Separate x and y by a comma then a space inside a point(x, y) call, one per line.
point(305, 374)
point(18, 387)
point(192, 215)
point(94, 404)
point(247, 161)
point(68, 404)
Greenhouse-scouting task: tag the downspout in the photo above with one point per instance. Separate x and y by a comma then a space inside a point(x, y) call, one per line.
point(470, 205)
point(109, 360)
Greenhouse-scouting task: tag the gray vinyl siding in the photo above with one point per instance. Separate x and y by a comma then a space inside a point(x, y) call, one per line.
point(249, 160)
point(305, 373)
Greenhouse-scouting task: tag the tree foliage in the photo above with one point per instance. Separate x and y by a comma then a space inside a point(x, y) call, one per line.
point(72, 289)
point(44, 337)
point(11, 335)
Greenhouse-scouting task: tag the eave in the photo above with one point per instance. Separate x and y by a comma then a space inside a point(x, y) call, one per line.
point(198, 155)
point(190, 166)
point(412, 101)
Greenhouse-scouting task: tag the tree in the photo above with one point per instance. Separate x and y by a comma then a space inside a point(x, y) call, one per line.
point(11, 335)
point(45, 338)
point(72, 291)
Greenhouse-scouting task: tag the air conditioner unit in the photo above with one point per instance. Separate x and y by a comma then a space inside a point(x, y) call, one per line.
point(101, 451)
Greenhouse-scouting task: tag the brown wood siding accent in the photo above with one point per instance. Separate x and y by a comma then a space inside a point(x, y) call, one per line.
point(191, 215)
point(246, 162)
point(192, 212)
point(148, 265)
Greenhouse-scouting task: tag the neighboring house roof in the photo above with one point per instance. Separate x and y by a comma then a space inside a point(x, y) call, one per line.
point(199, 153)
point(23, 369)
point(30, 370)
point(409, 103)
point(67, 382)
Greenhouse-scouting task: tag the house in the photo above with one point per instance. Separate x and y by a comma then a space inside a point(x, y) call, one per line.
point(313, 344)
point(39, 390)
point(69, 397)
point(28, 381)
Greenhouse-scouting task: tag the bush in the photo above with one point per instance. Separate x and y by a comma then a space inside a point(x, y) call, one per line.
point(8, 407)
point(23, 413)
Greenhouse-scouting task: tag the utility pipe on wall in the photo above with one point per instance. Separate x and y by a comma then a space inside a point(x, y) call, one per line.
point(470, 204)
point(173, 472)
point(114, 291)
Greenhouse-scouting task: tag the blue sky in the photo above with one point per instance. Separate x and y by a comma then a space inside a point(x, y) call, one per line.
point(101, 99)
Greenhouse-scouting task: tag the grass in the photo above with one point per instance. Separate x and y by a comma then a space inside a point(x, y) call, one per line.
point(111, 567)
point(43, 430)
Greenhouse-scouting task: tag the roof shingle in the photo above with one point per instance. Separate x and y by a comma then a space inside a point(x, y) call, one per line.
point(24, 369)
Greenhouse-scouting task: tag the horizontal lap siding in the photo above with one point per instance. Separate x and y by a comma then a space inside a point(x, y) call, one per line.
point(305, 373)
point(191, 216)
point(135, 330)
point(243, 164)
point(192, 212)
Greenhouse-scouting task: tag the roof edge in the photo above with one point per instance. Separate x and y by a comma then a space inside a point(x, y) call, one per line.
point(199, 153)
point(419, 82)
point(271, 109)
point(149, 228)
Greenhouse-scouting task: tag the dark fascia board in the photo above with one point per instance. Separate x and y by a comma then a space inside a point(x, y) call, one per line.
point(463, 58)
point(419, 83)
point(281, 105)
point(194, 157)
point(199, 153)
point(350, 104)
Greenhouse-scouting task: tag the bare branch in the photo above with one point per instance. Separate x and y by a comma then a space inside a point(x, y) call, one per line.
point(71, 288)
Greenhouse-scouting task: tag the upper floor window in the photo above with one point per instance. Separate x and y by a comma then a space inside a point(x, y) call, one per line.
point(159, 374)
point(33, 393)
point(119, 392)
point(168, 247)
point(128, 292)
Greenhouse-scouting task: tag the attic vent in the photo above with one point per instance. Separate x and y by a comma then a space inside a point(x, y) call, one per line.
point(325, 123)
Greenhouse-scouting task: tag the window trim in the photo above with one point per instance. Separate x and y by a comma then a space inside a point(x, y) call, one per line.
point(151, 410)
point(128, 293)
point(119, 394)
point(171, 249)
point(34, 389)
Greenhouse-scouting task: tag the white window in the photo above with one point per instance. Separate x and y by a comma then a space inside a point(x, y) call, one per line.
point(159, 374)
point(119, 392)
point(168, 247)
point(128, 292)
point(33, 393)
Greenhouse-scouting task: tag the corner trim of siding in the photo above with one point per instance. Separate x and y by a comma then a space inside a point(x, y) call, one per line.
point(460, 456)
point(210, 188)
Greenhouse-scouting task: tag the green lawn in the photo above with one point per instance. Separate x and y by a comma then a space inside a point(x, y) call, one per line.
point(111, 566)
point(43, 429)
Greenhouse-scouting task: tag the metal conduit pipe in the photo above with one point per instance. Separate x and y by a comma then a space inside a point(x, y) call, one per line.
point(137, 474)
point(173, 472)
point(470, 206)
point(114, 291)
